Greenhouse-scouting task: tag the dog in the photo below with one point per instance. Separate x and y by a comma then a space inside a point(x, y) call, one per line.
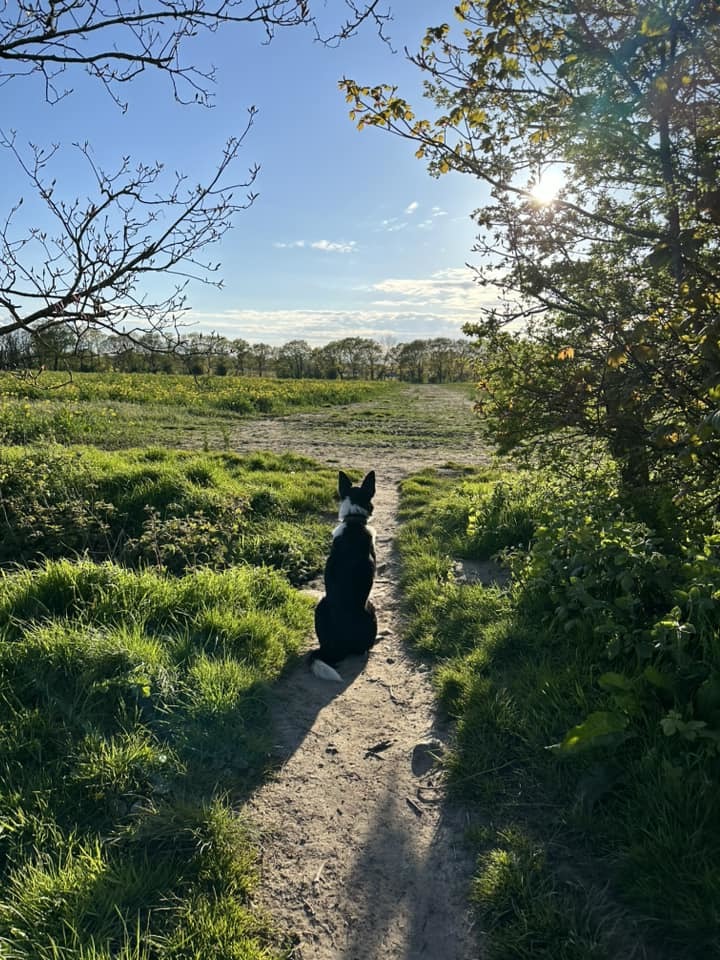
point(345, 619)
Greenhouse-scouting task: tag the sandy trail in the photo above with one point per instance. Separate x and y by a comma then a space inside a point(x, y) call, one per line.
point(362, 856)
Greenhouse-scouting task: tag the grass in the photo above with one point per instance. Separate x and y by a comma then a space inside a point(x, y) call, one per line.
point(405, 416)
point(120, 410)
point(610, 839)
point(146, 608)
point(245, 395)
point(173, 510)
point(133, 720)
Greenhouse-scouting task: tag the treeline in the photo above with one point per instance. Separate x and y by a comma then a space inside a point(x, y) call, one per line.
point(436, 360)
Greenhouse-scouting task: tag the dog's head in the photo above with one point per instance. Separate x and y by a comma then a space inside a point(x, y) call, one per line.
point(356, 500)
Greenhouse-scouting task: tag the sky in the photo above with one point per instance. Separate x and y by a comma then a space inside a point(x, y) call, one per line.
point(349, 234)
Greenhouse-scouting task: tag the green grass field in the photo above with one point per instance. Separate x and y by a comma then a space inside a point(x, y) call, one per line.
point(133, 718)
point(147, 604)
point(128, 409)
point(171, 510)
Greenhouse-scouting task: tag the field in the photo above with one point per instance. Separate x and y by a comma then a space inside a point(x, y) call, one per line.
point(146, 605)
point(155, 553)
point(147, 408)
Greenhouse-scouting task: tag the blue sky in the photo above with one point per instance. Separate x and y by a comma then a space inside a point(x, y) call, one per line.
point(349, 236)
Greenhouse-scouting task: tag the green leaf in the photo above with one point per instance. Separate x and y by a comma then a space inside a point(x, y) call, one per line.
point(602, 728)
point(657, 679)
point(615, 681)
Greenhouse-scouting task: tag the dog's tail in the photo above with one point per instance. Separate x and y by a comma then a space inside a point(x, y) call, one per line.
point(323, 670)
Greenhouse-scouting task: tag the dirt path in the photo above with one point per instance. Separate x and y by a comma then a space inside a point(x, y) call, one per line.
point(362, 856)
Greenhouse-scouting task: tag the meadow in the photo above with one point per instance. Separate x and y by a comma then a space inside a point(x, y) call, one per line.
point(147, 603)
point(128, 409)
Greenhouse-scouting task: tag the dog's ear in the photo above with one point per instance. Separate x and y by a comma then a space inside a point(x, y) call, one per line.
point(368, 485)
point(344, 485)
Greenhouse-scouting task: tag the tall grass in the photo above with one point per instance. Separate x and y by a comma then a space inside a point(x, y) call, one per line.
point(137, 646)
point(241, 395)
point(585, 694)
point(132, 719)
point(172, 510)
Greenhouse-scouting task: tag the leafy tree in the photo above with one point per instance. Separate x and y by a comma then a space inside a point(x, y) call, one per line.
point(412, 359)
point(50, 346)
point(292, 359)
point(358, 357)
point(15, 351)
point(612, 325)
point(262, 355)
point(87, 269)
point(240, 351)
point(328, 361)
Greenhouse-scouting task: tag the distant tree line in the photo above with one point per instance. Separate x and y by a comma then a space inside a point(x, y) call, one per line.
point(436, 360)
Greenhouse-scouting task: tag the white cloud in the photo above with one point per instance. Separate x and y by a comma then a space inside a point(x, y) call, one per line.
point(452, 291)
point(321, 326)
point(438, 212)
point(412, 207)
point(330, 246)
point(393, 224)
point(403, 307)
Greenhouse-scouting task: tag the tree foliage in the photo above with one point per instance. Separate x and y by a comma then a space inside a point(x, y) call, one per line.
point(611, 326)
point(438, 360)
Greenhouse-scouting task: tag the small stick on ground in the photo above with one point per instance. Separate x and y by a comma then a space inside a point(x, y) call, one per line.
point(378, 748)
point(413, 806)
point(399, 703)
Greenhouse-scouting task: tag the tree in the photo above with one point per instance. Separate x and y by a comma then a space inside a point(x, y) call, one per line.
point(613, 282)
point(15, 351)
point(292, 359)
point(328, 361)
point(240, 351)
point(411, 360)
point(87, 270)
point(262, 355)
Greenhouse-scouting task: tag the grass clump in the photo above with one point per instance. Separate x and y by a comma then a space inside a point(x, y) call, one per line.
point(172, 510)
point(587, 686)
point(133, 719)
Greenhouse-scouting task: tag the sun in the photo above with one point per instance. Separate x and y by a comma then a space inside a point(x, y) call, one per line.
point(547, 186)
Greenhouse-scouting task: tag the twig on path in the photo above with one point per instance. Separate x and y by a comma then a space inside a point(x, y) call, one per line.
point(378, 748)
point(316, 878)
point(399, 703)
point(413, 806)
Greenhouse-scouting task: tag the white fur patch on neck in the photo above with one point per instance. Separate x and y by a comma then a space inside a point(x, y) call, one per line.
point(347, 508)
point(340, 529)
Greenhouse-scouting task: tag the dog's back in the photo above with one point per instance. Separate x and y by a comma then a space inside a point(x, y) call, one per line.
point(345, 621)
point(350, 567)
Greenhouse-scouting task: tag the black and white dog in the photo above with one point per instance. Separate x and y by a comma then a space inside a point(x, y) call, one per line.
point(345, 620)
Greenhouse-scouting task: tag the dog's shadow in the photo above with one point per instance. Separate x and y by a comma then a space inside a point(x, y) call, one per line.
point(298, 697)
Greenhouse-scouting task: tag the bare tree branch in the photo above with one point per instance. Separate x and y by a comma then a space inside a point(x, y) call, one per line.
point(115, 40)
point(92, 267)
point(138, 222)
